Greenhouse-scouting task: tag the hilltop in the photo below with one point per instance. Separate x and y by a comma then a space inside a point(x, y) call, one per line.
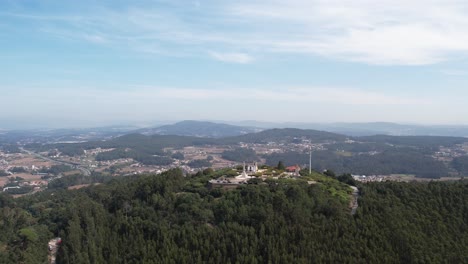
point(199, 129)
point(176, 218)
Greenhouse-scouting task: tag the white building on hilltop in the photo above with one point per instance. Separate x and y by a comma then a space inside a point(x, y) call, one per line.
point(250, 168)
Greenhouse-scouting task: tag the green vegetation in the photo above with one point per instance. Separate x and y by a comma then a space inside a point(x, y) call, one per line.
point(331, 184)
point(432, 142)
point(4, 173)
point(199, 163)
point(178, 155)
point(199, 129)
point(240, 155)
point(15, 179)
point(364, 155)
point(174, 218)
point(117, 168)
point(115, 154)
point(280, 166)
point(143, 157)
point(78, 179)
point(10, 148)
point(285, 135)
point(152, 145)
point(18, 170)
point(394, 161)
point(56, 169)
point(461, 165)
point(22, 190)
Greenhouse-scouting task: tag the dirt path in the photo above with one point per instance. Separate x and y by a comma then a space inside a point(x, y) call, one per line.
point(53, 247)
point(354, 201)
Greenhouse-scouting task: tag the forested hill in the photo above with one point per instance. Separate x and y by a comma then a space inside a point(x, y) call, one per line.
point(285, 135)
point(154, 144)
point(145, 144)
point(199, 129)
point(415, 141)
point(170, 218)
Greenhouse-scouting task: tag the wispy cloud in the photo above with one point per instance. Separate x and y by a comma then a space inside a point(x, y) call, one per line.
point(454, 72)
point(388, 32)
point(232, 57)
point(384, 32)
point(144, 94)
point(332, 95)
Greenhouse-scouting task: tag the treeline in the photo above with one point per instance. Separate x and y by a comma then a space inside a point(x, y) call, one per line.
point(115, 154)
point(432, 142)
point(393, 161)
point(461, 165)
point(240, 155)
point(284, 135)
point(199, 163)
point(10, 148)
point(22, 190)
point(18, 170)
point(56, 169)
point(172, 218)
point(78, 179)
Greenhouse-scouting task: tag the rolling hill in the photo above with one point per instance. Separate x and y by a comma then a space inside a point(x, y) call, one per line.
point(199, 129)
point(285, 135)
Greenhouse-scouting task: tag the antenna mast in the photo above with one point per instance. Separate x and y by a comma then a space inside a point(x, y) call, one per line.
point(310, 159)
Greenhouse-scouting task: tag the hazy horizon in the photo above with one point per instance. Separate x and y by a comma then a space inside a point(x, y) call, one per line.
point(11, 126)
point(88, 64)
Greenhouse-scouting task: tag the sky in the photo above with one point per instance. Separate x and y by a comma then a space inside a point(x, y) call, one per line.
point(99, 63)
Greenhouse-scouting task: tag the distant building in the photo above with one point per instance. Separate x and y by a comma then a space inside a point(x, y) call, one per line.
point(11, 187)
point(243, 178)
point(294, 169)
point(251, 168)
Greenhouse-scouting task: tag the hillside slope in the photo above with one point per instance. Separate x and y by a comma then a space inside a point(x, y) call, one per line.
point(199, 129)
point(170, 218)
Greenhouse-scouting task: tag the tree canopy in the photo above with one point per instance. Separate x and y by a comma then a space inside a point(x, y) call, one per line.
point(175, 218)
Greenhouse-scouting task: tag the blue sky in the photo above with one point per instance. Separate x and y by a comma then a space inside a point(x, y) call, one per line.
point(92, 63)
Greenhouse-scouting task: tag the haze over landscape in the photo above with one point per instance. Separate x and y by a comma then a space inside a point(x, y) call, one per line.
point(88, 63)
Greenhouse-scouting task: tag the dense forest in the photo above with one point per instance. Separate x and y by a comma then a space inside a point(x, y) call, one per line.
point(392, 161)
point(10, 148)
point(284, 135)
point(461, 164)
point(176, 218)
point(199, 163)
point(240, 155)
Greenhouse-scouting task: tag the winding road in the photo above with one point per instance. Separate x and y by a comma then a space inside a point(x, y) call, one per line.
point(83, 170)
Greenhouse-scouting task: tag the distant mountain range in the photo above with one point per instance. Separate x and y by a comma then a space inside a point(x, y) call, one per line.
point(221, 129)
point(199, 129)
point(224, 129)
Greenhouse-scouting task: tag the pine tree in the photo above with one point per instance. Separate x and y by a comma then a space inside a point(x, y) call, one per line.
point(280, 166)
